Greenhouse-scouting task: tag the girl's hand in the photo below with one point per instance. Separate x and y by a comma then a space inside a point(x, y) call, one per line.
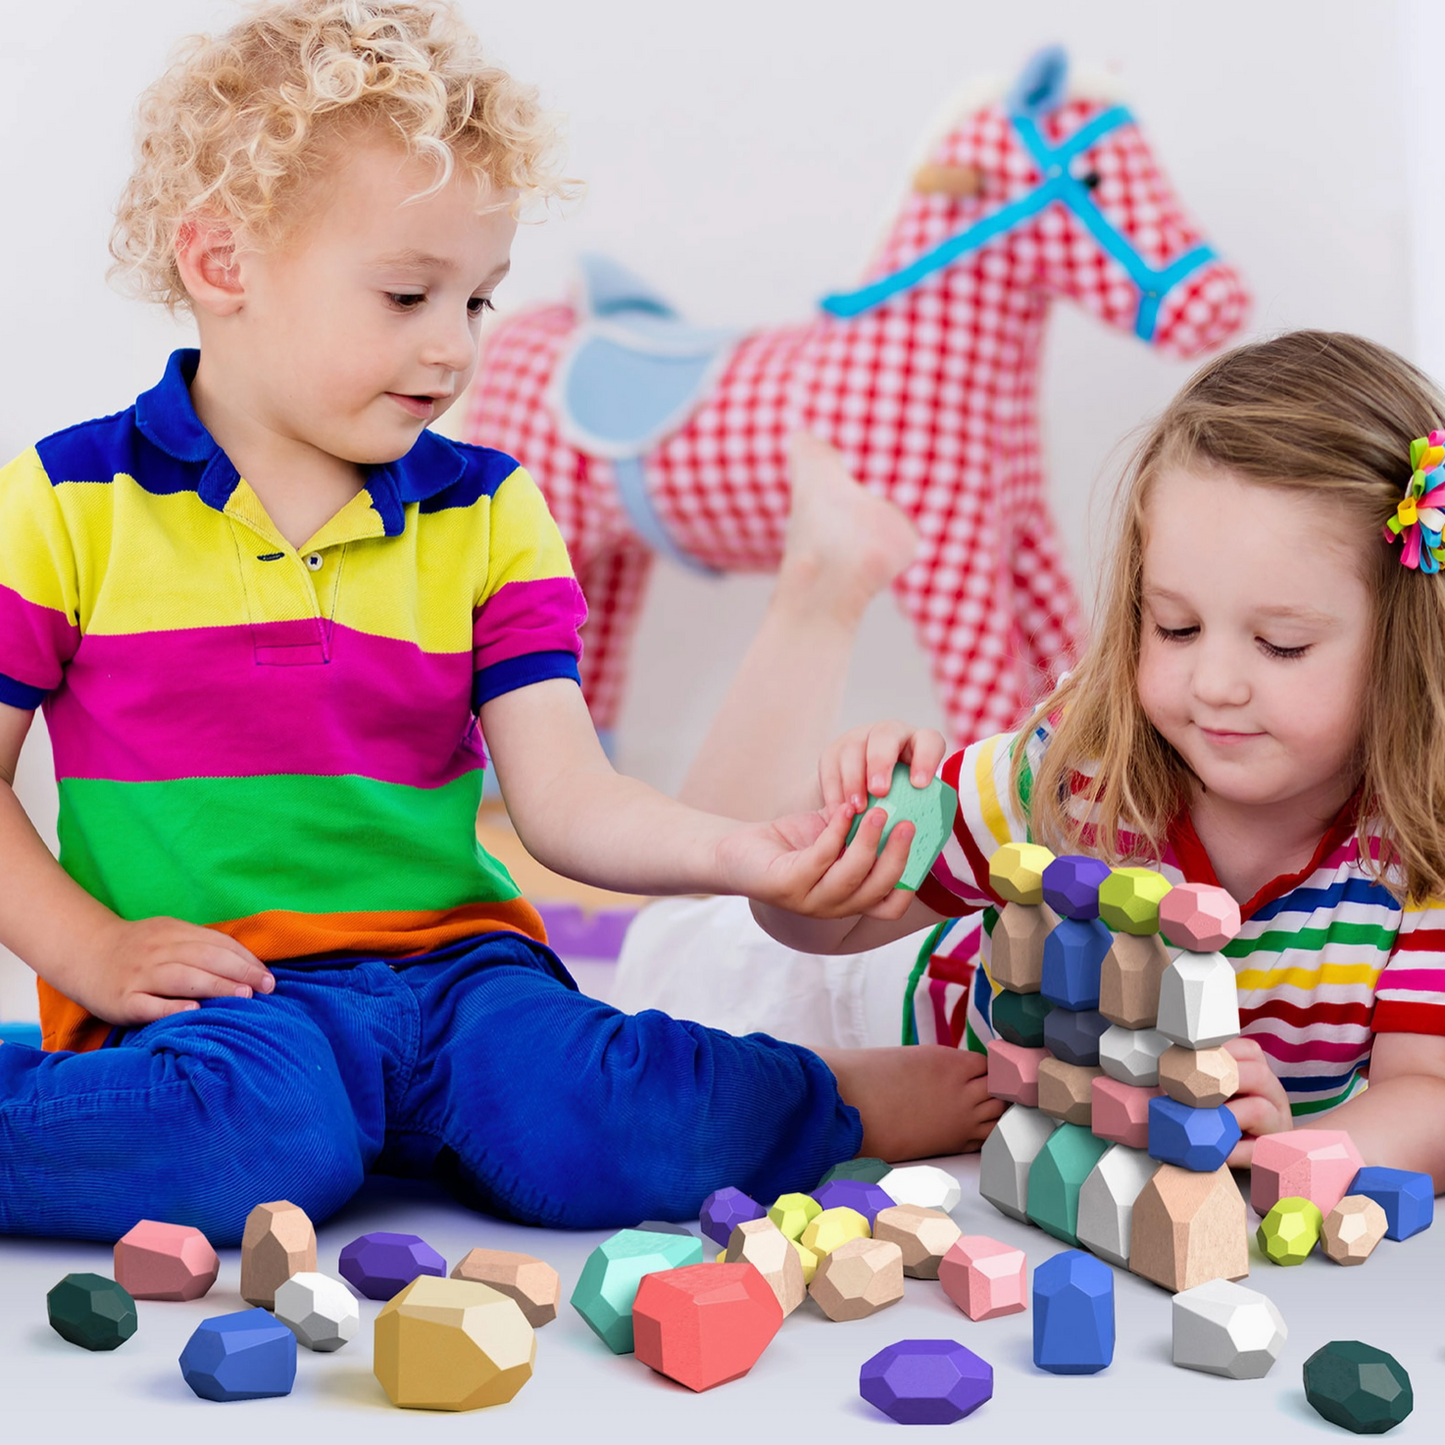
point(861, 762)
point(153, 967)
point(1261, 1105)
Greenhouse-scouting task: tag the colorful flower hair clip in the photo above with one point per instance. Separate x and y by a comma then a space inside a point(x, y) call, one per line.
point(1420, 517)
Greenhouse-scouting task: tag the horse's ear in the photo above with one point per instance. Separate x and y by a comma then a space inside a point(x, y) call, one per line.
point(1041, 84)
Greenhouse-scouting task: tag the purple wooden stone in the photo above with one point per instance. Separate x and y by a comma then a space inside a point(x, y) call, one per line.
point(926, 1382)
point(381, 1265)
point(723, 1210)
point(857, 1194)
point(1071, 885)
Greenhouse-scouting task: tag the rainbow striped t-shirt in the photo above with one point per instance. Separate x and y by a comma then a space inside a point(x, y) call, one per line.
point(1326, 957)
point(278, 743)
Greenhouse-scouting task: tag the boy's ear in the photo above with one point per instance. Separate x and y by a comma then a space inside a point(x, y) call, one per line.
point(206, 257)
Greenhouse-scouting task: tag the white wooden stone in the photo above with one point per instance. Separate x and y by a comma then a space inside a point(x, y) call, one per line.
point(1106, 1202)
point(1225, 1329)
point(1003, 1163)
point(1199, 1001)
point(1132, 1055)
point(320, 1311)
point(923, 1184)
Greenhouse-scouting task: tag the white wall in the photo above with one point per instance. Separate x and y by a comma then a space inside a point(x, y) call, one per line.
point(740, 154)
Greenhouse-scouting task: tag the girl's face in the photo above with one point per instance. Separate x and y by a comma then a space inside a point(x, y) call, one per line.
point(1255, 637)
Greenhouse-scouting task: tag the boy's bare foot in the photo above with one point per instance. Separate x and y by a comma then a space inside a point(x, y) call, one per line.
point(844, 545)
point(916, 1102)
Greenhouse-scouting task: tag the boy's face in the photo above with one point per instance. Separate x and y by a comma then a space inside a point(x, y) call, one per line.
point(361, 328)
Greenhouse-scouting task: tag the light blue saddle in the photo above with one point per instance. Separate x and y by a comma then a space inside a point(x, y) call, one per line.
point(632, 375)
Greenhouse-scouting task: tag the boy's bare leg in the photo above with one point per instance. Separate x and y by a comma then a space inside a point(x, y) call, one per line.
point(843, 546)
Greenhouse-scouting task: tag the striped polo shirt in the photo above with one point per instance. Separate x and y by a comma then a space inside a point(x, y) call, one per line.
point(278, 743)
point(1326, 958)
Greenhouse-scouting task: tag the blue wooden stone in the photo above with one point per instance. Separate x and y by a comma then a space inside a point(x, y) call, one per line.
point(926, 1382)
point(1073, 1035)
point(1407, 1198)
point(1197, 1139)
point(381, 1265)
point(1073, 1314)
point(245, 1356)
point(723, 1210)
point(1074, 955)
point(857, 1194)
point(1071, 885)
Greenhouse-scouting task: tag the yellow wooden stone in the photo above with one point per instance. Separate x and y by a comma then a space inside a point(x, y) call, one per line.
point(858, 1279)
point(1129, 899)
point(808, 1260)
point(792, 1213)
point(1016, 872)
point(1290, 1231)
point(1201, 1078)
point(1352, 1229)
point(452, 1344)
point(278, 1241)
point(834, 1227)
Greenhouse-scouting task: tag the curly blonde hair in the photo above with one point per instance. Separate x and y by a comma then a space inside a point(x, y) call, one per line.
point(242, 121)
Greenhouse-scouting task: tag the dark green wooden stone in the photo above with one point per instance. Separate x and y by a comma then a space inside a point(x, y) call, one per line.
point(1359, 1387)
point(1019, 1018)
point(870, 1171)
point(91, 1311)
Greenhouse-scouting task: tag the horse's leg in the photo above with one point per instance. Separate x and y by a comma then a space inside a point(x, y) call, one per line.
point(613, 583)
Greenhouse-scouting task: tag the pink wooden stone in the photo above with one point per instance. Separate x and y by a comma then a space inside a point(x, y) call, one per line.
point(1199, 917)
point(1013, 1072)
point(1314, 1164)
point(165, 1261)
point(1121, 1112)
point(985, 1278)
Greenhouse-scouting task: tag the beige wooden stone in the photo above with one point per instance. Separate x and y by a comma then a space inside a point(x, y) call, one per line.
point(532, 1282)
point(924, 1236)
point(1066, 1091)
point(1017, 958)
point(1352, 1229)
point(278, 1242)
point(1189, 1228)
point(1129, 980)
point(763, 1245)
point(1201, 1078)
point(858, 1279)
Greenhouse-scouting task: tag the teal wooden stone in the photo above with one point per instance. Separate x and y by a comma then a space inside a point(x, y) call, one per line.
point(608, 1283)
point(1019, 1018)
point(1056, 1176)
point(869, 1170)
point(91, 1311)
point(1358, 1387)
point(931, 810)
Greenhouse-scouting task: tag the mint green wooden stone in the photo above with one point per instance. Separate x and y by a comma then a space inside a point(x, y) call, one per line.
point(1056, 1176)
point(608, 1283)
point(931, 810)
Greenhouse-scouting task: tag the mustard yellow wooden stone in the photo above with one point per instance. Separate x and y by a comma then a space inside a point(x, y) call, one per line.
point(1352, 1229)
point(452, 1344)
point(279, 1241)
point(1129, 899)
point(834, 1227)
point(858, 1279)
point(793, 1213)
point(1016, 872)
point(808, 1260)
point(764, 1246)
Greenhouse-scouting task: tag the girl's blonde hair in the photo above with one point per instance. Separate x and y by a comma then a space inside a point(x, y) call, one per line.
point(1326, 415)
point(241, 122)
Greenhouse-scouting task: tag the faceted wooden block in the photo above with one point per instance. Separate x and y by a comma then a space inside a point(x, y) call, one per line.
point(760, 1243)
point(1019, 1018)
point(1189, 1228)
point(1013, 1073)
point(723, 1210)
point(242, 1356)
point(1199, 917)
point(608, 1283)
point(381, 1264)
point(532, 1282)
point(91, 1311)
point(926, 1382)
point(1106, 1202)
point(792, 1213)
point(1120, 1112)
point(705, 1324)
point(924, 1184)
point(1007, 1156)
point(278, 1242)
point(806, 1258)
point(1073, 1314)
point(858, 1279)
point(663, 1226)
point(1073, 1035)
point(320, 1311)
point(826, 1231)
point(865, 1168)
point(1352, 1229)
point(1056, 1176)
point(1198, 1139)
point(1066, 1091)
point(931, 810)
point(1407, 1198)
point(1129, 980)
point(1016, 951)
point(1199, 1001)
point(1016, 872)
point(1315, 1164)
point(1200, 1078)
point(855, 1194)
point(451, 1344)
point(1129, 900)
point(1074, 955)
point(1071, 885)
point(1359, 1387)
point(1290, 1231)
point(1132, 1055)
point(165, 1261)
point(1225, 1329)
point(924, 1236)
point(985, 1278)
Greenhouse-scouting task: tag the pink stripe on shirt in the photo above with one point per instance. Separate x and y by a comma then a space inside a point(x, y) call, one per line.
point(522, 617)
point(32, 638)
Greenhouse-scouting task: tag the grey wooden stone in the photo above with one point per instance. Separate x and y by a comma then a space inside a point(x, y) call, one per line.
point(1132, 1055)
point(1225, 1329)
point(1199, 1001)
point(1106, 1202)
point(1003, 1164)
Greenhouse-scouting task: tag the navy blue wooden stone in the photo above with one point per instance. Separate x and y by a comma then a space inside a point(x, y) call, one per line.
point(1073, 1314)
point(1074, 962)
point(245, 1356)
point(1071, 885)
point(857, 1194)
point(723, 1210)
point(91, 1311)
point(1198, 1139)
point(1407, 1198)
point(926, 1382)
point(1019, 1018)
point(1359, 1387)
point(381, 1265)
point(1073, 1035)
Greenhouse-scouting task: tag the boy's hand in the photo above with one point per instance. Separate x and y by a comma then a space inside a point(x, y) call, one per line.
point(1261, 1105)
point(154, 967)
point(861, 762)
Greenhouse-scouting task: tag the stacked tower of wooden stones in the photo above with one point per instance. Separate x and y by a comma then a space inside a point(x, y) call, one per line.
point(1092, 1019)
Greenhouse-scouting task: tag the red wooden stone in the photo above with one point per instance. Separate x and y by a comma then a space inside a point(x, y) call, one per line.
point(165, 1261)
point(1013, 1072)
point(704, 1324)
point(1120, 1112)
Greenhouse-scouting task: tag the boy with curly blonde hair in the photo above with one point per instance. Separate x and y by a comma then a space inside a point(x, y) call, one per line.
point(265, 610)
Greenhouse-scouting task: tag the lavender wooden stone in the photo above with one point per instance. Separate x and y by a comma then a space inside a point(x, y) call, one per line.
point(926, 1382)
point(381, 1265)
point(857, 1194)
point(723, 1210)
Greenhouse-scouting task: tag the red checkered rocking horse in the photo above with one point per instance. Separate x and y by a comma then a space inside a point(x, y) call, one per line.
point(648, 435)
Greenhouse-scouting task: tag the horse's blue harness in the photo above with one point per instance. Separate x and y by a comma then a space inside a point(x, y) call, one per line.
point(1059, 184)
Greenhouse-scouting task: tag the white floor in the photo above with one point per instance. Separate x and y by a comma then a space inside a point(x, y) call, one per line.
point(805, 1387)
